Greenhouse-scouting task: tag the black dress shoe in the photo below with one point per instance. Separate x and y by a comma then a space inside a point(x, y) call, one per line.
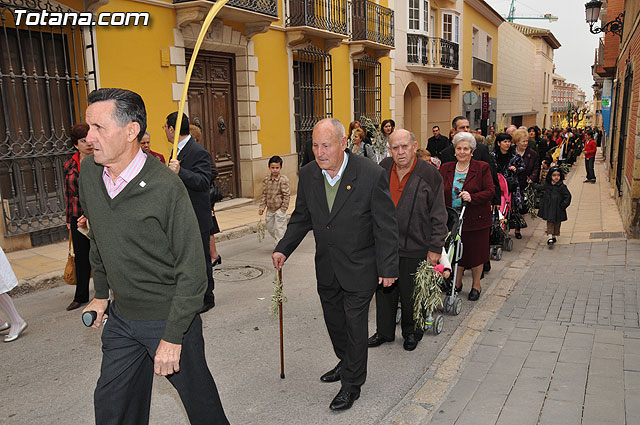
point(74, 305)
point(377, 340)
point(474, 294)
point(344, 400)
point(518, 235)
point(217, 261)
point(410, 342)
point(333, 375)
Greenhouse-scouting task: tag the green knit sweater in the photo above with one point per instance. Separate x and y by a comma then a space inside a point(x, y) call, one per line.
point(145, 246)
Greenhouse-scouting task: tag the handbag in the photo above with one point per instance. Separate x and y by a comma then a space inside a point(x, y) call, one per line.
point(70, 268)
point(215, 194)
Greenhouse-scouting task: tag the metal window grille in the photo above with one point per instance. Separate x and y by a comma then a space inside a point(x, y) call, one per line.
point(439, 91)
point(367, 88)
point(44, 81)
point(312, 94)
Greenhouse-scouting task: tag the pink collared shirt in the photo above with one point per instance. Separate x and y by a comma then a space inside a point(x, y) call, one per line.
point(132, 170)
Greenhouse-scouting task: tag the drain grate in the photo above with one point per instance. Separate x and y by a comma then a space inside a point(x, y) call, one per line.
point(237, 273)
point(606, 235)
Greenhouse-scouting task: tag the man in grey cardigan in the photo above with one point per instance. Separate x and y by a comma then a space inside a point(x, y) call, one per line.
point(416, 190)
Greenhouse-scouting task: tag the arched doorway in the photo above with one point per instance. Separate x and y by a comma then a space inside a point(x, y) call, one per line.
point(412, 109)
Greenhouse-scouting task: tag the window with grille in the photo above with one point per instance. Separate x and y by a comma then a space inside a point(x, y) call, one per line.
point(45, 75)
point(439, 91)
point(367, 89)
point(312, 96)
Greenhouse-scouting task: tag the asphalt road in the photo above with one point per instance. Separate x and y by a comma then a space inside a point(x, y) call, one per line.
point(49, 374)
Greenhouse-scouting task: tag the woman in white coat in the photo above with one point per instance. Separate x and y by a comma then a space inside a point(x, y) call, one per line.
point(8, 281)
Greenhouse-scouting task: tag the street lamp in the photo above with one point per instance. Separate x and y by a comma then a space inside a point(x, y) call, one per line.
point(592, 10)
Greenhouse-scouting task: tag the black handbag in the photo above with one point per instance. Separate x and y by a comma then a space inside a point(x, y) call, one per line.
point(215, 194)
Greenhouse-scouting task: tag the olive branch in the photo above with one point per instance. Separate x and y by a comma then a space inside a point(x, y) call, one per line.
point(427, 295)
point(260, 230)
point(277, 298)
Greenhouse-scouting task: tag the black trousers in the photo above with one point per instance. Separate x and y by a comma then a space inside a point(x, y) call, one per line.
point(208, 295)
point(346, 316)
point(123, 393)
point(81, 246)
point(387, 302)
point(589, 164)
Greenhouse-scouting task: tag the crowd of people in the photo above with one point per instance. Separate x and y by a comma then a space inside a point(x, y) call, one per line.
point(362, 251)
point(376, 214)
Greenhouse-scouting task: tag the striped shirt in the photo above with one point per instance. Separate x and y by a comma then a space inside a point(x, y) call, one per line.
point(132, 170)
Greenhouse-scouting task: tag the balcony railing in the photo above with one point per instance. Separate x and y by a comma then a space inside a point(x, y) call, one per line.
point(432, 51)
point(372, 22)
point(328, 15)
point(482, 71)
point(267, 7)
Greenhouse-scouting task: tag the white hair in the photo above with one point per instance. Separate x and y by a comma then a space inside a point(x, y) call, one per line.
point(338, 128)
point(464, 136)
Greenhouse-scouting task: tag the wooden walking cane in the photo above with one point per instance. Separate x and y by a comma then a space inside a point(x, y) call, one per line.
point(281, 327)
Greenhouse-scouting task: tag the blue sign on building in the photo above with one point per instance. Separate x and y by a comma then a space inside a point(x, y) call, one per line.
point(606, 105)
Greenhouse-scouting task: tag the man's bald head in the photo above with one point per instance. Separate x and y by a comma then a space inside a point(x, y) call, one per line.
point(328, 144)
point(402, 134)
point(332, 125)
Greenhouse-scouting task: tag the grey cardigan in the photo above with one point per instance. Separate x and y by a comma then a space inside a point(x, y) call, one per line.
point(421, 212)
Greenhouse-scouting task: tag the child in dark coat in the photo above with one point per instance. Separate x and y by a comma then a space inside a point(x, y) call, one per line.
point(555, 201)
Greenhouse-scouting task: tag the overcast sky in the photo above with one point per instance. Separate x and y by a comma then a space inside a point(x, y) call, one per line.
point(574, 58)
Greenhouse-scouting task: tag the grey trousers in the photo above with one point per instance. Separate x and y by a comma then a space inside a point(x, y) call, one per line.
point(123, 392)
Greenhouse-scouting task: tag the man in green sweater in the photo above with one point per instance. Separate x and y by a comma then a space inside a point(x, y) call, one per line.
point(146, 249)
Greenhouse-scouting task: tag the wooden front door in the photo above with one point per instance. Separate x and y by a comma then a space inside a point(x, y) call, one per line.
point(212, 105)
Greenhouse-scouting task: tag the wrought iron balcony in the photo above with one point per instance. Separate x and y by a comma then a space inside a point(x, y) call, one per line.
point(482, 71)
point(372, 22)
point(266, 7)
point(327, 15)
point(432, 52)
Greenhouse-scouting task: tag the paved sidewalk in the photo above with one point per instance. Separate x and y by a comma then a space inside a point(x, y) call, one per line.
point(35, 265)
point(564, 347)
point(593, 211)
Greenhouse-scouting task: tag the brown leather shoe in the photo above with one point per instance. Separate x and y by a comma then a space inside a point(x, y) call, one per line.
point(73, 305)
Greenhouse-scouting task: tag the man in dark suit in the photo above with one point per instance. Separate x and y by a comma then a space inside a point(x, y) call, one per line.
point(345, 200)
point(193, 166)
point(437, 143)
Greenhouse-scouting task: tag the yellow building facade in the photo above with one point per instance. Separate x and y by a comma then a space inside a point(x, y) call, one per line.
point(480, 59)
point(267, 71)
